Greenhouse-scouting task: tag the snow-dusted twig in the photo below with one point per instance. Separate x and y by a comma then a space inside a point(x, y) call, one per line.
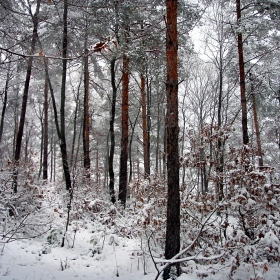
point(150, 251)
point(177, 259)
point(114, 248)
point(14, 230)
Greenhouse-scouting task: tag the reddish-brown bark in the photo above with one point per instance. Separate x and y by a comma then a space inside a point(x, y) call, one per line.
point(172, 245)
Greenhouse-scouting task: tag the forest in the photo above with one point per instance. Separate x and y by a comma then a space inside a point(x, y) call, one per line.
point(140, 139)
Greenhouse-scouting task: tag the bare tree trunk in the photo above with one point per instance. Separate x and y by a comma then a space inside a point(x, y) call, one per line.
point(112, 133)
point(124, 132)
point(148, 109)
point(41, 118)
point(24, 98)
point(46, 131)
point(145, 127)
point(242, 78)
point(132, 129)
point(220, 154)
point(27, 138)
point(97, 178)
point(86, 117)
point(158, 157)
point(16, 119)
point(4, 103)
point(164, 161)
point(63, 146)
point(51, 151)
point(77, 109)
point(172, 243)
point(256, 122)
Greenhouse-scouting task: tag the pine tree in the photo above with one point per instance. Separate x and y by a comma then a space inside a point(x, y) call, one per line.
point(172, 244)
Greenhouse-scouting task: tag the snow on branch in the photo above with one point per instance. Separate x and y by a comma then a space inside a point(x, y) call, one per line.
point(176, 258)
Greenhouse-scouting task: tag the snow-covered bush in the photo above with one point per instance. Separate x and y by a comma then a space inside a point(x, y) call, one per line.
point(26, 213)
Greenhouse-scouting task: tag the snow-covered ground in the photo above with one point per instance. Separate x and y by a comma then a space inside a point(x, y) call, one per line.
point(118, 258)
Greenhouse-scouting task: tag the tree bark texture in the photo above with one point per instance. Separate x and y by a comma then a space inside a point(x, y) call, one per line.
point(25, 96)
point(46, 131)
point(220, 155)
point(132, 129)
point(242, 78)
point(77, 109)
point(256, 122)
point(124, 132)
point(145, 127)
point(63, 146)
point(112, 133)
point(86, 126)
point(172, 244)
point(4, 103)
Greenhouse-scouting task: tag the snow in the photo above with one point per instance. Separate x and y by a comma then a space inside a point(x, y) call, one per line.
point(105, 241)
point(118, 258)
point(270, 239)
point(25, 259)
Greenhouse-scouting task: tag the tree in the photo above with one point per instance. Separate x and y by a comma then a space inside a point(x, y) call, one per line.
point(124, 128)
point(172, 243)
point(35, 20)
point(112, 131)
point(219, 44)
point(256, 121)
point(145, 126)
point(242, 77)
point(5, 100)
point(46, 131)
point(86, 123)
point(62, 100)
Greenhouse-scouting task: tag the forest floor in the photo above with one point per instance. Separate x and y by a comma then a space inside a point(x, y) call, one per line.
point(111, 257)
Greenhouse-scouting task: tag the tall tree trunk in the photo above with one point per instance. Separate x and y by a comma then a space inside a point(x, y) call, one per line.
point(61, 129)
point(52, 154)
point(28, 130)
point(256, 122)
point(158, 157)
point(55, 115)
point(97, 178)
point(172, 243)
point(164, 161)
point(124, 131)
point(132, 129)
point(148, 109)
point(63, 146)
point(145, 127)
point(25, 97)
point(4, 103)
point(112, 133)
point(220, 154)
point(86, 123)
point(242, 78)
point(41, 118)
point(77, 109)
point(16, 117)
point(46, 131)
